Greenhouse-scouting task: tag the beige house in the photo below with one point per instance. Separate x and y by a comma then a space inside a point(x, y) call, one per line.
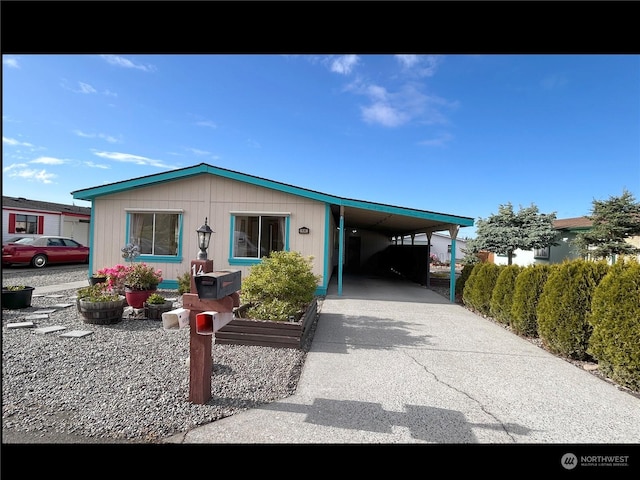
point(250, 217)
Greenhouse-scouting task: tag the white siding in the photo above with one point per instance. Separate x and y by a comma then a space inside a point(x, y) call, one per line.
point(211, 197)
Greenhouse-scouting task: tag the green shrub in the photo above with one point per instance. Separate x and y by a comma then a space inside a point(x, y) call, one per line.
point(502, 296)
point(184, 283)
point(468, 285)
point(156, 299)
point(482, 286)
point(279, 287)
point(615, 318)
point(464, 276)
point(564, 305)
point(527, 290)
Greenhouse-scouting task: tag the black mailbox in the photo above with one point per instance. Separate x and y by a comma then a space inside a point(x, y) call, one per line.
point(218, 285)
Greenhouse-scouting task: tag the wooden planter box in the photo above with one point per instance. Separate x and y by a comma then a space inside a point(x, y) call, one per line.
point(265, 333)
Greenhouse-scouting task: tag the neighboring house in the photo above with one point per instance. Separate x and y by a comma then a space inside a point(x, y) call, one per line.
point(22, 217)
point(251, 217)
point(440, 246)
point(567, 229)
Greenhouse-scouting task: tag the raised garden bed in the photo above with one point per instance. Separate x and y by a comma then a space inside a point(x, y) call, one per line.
point(266, 333)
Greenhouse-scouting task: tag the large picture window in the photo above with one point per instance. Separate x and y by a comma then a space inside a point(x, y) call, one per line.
point(256, 236)
point(155, 233)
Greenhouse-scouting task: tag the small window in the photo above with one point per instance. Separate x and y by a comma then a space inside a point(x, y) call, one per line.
point(26, 224)
point(541, 253)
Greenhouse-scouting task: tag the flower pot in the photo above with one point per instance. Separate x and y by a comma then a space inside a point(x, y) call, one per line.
point(101, 313)
point(13, 299)
point(136, 298)
point(154, 311)
point(96, 280)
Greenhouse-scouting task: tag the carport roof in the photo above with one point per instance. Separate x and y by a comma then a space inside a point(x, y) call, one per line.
point(390, 220)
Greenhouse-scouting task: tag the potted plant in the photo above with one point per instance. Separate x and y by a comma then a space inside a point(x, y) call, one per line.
point(100, 305)
point(16, 296)
point(156, 305)
point(140, 281)
point(97, 277)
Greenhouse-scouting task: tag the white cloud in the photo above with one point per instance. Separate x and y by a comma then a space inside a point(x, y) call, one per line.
point(85, 88)
point(439, 141)
point(130, 158)
point(384, 114)
point(119, 61)
point(10, 62)
point(21, 171)
point(206, 123)
point(97, 165)
point(421, 65)
point(195, 151)
point(103, 136)
point(15, 143)
point(49, 161)
point(344, 64)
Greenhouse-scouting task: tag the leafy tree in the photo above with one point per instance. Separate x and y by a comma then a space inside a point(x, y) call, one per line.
point(506, 231)
point(614, 221)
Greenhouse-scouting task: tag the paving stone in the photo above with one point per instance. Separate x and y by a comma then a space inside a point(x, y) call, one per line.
point(20, 325)
point(76, 333)
point(36, 317)
point(45, 310)
point(53, 328)
point(62, 305)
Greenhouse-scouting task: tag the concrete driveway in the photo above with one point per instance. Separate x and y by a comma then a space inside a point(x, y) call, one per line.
point(396, 363)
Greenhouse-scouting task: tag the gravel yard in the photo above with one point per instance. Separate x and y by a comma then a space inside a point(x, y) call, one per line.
point(124, 383)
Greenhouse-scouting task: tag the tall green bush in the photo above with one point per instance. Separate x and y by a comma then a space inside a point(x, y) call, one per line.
point(615, 318)
point(468, 284)
point(502, 296)
point(464, 276)
point(564, 305)
point(279, 287)
point(527, 290)
point(482, 286)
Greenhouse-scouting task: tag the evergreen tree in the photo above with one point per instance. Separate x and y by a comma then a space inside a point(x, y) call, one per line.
point(614, 221)
point(507, 231)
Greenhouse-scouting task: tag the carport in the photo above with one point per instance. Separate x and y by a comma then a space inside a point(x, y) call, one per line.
point(395, 223)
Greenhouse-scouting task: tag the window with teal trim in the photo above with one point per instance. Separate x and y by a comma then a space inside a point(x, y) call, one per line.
point(256, 236)
point(155, 233)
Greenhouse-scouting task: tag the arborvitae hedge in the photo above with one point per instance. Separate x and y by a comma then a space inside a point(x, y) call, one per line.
point(482, 286)
point(468, 284)
point(527, 290)
point(502, 296)
point(467, 268)
point(615, 317)
point(564, 305)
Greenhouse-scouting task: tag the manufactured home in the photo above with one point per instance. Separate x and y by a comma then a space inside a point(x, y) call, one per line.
point(251, 217)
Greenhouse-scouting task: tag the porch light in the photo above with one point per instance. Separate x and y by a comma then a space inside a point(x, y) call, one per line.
point(204, 236)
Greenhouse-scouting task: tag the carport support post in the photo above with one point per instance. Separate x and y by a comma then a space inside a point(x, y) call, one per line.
point(429, 259)
point(340, 250)
point(200, 361)
point(453, 231)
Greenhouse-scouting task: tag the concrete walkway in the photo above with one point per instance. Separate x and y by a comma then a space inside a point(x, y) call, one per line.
point(393, 362)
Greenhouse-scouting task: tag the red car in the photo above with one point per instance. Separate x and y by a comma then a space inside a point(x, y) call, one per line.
point(41, 251)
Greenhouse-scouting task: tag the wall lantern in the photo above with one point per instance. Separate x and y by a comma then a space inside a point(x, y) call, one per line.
point(204, 236)
point(303, 230)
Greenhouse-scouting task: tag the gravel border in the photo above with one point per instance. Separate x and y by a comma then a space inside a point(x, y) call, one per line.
point(124, 383)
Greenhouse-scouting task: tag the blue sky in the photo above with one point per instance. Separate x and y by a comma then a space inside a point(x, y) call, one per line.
point(457, 134)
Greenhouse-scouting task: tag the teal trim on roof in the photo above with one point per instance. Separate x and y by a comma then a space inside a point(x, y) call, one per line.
point(203, 168)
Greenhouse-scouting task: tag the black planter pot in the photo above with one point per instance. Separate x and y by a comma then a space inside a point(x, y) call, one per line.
point(13, 299)
point(96, 280)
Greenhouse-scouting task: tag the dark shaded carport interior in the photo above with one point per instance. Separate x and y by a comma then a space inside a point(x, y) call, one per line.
point(408, 261)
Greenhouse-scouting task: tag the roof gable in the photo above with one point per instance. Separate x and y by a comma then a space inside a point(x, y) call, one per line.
point(203, 168)
point(573, 223)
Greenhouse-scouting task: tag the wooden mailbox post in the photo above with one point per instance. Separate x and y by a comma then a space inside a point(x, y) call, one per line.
point(200, 360)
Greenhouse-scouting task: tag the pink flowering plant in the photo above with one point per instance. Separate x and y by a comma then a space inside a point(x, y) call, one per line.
point(116, 276)
point(141, 276)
